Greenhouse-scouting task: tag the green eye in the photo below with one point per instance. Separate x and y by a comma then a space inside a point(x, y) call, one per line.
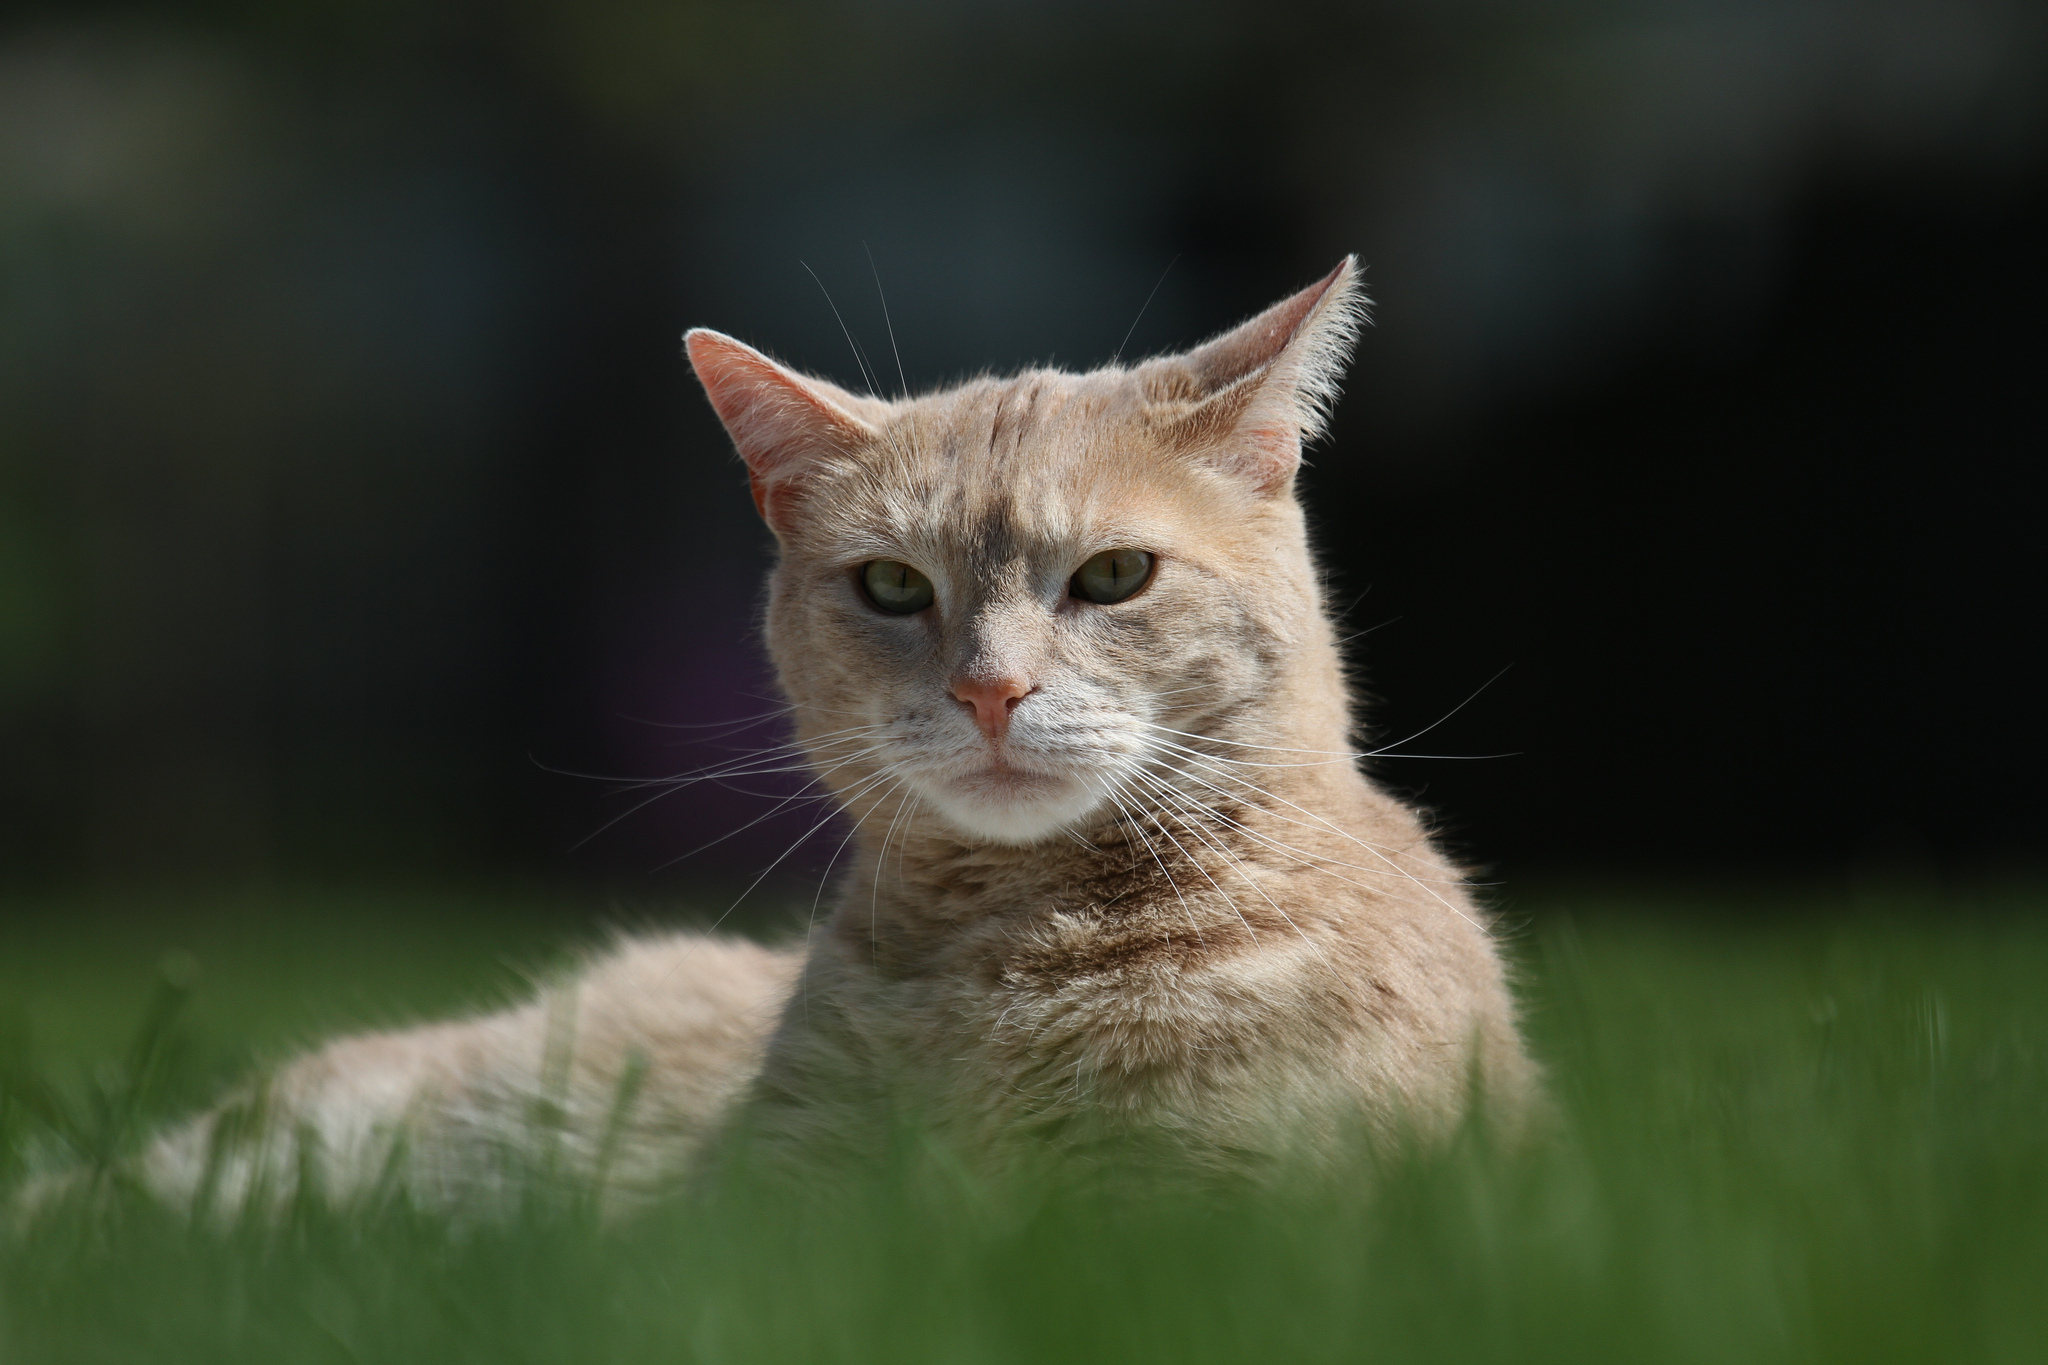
point(896, 587)
point(1112, 575)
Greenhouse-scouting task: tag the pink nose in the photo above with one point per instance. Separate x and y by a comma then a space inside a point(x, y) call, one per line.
point(993, 699)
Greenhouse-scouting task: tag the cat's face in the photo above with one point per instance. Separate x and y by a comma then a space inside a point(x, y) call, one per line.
point(1011, 598)
point(931, 605)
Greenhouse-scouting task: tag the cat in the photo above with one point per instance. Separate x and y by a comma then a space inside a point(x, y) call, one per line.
point(1057, 646)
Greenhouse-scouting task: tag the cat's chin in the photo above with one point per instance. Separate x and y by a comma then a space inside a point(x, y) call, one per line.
point(1009, 806)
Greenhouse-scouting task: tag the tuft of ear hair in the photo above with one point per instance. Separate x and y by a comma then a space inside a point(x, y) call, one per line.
point(782, 422)
point(1247, 401)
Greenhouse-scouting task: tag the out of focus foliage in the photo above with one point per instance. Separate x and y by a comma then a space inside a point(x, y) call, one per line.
point(1822, 1142)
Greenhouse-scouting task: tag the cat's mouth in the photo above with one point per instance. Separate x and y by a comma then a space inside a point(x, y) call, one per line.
point(1001, 779)
point(999, 798)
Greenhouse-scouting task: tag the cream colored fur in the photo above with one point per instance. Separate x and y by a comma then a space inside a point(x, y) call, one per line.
point(673, 1025)
point(1162, 911)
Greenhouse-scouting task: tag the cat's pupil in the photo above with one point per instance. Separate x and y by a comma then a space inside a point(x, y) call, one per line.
point(1112, 575)
point(895, 587)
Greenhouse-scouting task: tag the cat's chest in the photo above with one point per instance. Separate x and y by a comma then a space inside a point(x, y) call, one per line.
point(1035, 1004)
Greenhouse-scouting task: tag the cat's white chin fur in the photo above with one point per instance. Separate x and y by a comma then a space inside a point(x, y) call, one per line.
point(1010, 806)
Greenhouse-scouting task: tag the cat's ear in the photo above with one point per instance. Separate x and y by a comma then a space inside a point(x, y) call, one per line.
point(783, 422)
point(1263, 389)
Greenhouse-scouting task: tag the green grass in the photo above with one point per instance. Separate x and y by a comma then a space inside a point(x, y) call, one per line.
point(1801, 1128)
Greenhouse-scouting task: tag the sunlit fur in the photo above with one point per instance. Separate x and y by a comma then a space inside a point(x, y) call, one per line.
point(1165, 910)
point(1168, 904)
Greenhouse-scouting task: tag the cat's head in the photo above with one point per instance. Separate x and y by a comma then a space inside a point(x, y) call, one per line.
point(1014, 598)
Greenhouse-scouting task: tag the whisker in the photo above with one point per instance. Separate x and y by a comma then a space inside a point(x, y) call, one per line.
point(669, 786)
point(787, 749)
point(1221, 847)
point(769, 814)
point(1320, 863)
point(1318, 822)
point(858, 359)
point(1444, 717)
point(744, 722)
point(777, 809)
point(1205, 872)
point(804, 705)
point(1453, 758)
point(886, 322)
point(1140, 833)
point(1142, 307)
point(811, 922)
point(1393, 868)
point(1361, 634)
point(875, 889)
point(799, 842)
point(1241, 744)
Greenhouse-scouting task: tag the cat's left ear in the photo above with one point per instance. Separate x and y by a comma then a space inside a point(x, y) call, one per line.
point(1266, 387)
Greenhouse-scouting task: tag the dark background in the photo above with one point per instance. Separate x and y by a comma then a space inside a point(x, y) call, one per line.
point(351, 480)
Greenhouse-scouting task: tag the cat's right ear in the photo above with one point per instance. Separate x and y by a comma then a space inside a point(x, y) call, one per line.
point(783, 423)
point(1264, 388)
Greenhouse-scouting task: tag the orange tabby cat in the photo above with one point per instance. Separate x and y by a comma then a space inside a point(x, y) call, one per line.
point(1057, 644)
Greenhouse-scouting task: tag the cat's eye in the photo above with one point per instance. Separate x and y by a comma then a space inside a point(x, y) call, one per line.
point(895, 587)
point(1112, 576)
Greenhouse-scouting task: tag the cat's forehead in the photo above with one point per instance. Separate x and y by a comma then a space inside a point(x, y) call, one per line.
point(997, 468)
point(1031, 426)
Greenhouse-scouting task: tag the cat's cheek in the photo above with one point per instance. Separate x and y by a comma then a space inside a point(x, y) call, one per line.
point(893, 654)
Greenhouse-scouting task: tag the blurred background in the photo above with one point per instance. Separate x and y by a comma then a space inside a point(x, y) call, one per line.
point(353, 492)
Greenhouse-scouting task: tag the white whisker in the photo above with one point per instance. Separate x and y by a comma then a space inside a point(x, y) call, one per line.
point(1444, 717)
point(875, 891)
point(1197, 864)
point(1168, 792)
point(671, 786)
point(1392, 868)
point(800, 840)
point(1116, 796)
point(811, 922)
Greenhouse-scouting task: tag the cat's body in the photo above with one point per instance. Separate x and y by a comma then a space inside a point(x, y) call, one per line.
point(1225, 1010)
point(1057, 645)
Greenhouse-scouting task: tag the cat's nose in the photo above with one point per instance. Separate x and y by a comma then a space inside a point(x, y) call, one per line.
point(992, 699)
